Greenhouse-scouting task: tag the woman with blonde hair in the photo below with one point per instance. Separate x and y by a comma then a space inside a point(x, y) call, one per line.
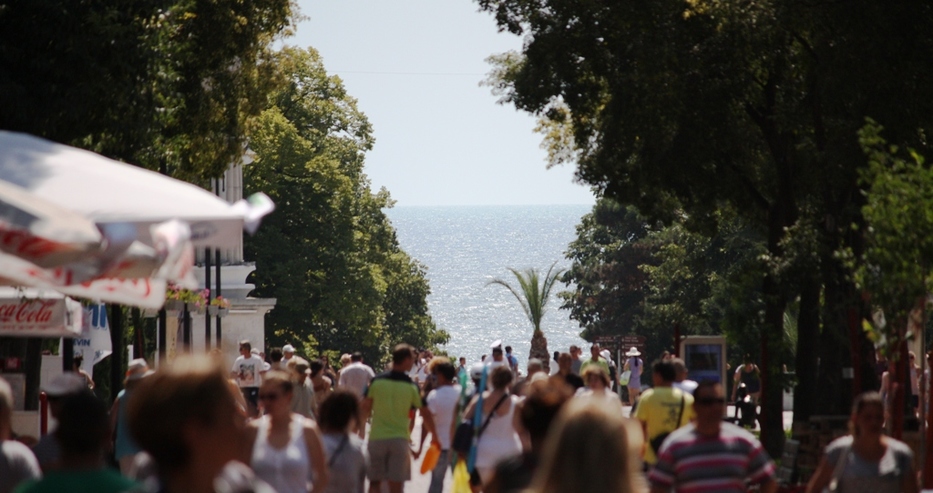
point(866, 460)
point(591, 447)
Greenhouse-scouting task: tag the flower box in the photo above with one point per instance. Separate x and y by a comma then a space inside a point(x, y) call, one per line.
point(217, 311)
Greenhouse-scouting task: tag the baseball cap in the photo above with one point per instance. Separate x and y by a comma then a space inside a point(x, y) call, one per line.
point(65, 384)
point(288, 348)
point(138, 368)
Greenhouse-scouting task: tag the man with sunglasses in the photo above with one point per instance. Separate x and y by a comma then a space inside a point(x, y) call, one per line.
point(711, 454)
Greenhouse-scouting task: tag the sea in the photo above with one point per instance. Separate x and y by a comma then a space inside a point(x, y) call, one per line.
point(465, 247)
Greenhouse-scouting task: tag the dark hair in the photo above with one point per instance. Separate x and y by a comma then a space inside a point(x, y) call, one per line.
point(401, 353)
point(599, 372)
point(337, 410)
point(704, 384)
point(356, 356)
point(501, 376)
point(863, 400)
point(556, 355)
point(508, 349)
point(275, 355)
point(82, 424)
point(316, 366)
point(497, 349)
point(748, 358)
point(245, 344)
point(447, 370)
point(78, 359)
point(664, 369)
point(540, 407)
point(281, 378)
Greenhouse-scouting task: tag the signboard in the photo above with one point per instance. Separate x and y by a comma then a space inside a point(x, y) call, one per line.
point(632, 341)
point(705, 357)
point(94, 342)
point(608, 342)
point(30, 313)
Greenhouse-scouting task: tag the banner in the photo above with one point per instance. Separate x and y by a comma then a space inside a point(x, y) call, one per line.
point(30, 313)
point(94, 342)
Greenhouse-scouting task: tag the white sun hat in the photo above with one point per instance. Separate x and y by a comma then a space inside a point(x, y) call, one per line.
point(633, 352)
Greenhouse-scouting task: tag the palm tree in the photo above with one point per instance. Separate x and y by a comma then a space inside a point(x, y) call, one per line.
point(532, 294)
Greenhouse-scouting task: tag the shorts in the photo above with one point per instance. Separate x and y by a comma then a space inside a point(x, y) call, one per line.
point(251, 394)
point(389, 460)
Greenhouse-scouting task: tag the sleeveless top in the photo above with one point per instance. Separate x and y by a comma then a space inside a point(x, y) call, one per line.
point(287, 469)
point(499, 441)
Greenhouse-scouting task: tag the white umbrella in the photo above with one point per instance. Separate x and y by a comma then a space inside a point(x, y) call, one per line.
point(41, 232)
point(109, 192)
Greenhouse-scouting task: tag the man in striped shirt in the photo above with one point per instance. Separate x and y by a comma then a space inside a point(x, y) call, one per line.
point(710, 454)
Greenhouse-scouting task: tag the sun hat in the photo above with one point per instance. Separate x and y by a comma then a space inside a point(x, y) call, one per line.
point(633, 352)
point(138, 368)
point(288, 348)
point(496, 343)
point(65, 384)
point(606, 354)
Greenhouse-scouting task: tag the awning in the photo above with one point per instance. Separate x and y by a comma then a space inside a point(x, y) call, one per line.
point(38, 313)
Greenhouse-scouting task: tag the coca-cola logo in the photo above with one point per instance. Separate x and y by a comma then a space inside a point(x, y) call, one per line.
point(27, 312)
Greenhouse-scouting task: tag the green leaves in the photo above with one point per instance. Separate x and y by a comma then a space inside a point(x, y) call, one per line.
point(532, 292)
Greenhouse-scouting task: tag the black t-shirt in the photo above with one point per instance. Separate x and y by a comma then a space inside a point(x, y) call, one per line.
point(574, 380)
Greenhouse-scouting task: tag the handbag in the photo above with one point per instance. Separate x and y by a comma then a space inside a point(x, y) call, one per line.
point(657, 441)
point(463, 435)
point(625, 377)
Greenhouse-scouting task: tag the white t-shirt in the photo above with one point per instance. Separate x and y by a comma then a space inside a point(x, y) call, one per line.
point(687, 386)
point(442, 402)
point(248, 371)
point(356, 377)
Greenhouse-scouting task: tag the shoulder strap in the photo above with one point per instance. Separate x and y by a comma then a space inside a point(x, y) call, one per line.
point(837, 471)
point(683, 401)
point(491, 413)
point(333, 457)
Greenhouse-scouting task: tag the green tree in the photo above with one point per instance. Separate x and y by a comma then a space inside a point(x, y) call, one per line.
point(677, 106)
point(533, 293)
point(329, 254)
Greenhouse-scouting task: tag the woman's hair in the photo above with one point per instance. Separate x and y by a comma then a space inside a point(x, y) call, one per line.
point(864, 400)
point(542, 403)
point(280, 378)
point(190, 389)
point(590, 447)
point(337, 410)
point(316, 367)
point(501, 377)
point(598, 371)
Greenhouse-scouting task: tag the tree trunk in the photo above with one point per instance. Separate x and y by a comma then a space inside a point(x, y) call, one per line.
point(808, 343)
point(539, 349)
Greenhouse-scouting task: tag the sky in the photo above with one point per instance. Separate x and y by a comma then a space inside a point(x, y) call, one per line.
point(414, 67)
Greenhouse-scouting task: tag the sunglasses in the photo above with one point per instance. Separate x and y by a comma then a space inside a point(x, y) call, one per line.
point(273, 396)
point(709, 401)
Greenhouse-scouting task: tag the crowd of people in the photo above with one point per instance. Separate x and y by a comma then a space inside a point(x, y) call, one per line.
point(285, 424)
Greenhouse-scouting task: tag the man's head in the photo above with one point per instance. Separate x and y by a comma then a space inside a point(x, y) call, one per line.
point(462, 361)
point(534, 366)
point(288, 351)
point(356, 357)
point(594, 351)
point(663, 373)
point(680, 369)
point(245, 348)
point(709, 403)
point(575, 351)
point(565, 362)
point(497, 354)
point(275, 355)
point(82, 426)
point(508, 350)
point(61, 386)
point(445, 373)
point(403, 357)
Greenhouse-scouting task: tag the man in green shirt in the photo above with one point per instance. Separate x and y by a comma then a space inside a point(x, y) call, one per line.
point(595, 360)
point(389, 399)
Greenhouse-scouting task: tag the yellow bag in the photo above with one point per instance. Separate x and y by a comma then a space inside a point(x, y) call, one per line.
point(461, 478)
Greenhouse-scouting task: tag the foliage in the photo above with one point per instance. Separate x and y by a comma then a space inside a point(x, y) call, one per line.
point(895, 271)
point(533, 291)
point(198, 298)
point(155, 82)
point(328, 253)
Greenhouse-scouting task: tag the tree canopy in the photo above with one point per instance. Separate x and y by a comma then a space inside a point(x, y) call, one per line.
point(329, 253)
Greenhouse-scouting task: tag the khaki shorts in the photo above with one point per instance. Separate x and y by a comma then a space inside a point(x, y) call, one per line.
point(389, 460)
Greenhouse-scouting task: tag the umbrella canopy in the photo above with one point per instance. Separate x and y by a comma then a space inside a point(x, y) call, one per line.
point(41, 232)
point(110, 192)
point(35, 313)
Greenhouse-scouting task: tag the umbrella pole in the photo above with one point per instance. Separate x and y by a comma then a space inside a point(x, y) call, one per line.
point(163, 319)
point(68, 354)
point(217, 282)
point(210, 292)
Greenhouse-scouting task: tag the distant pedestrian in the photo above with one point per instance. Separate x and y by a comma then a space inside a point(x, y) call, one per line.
point(275, 359)
point(247, 370)
point(595, 359)
point(564, 373)
point(681, 381)
point(76, 365)
point(303, 399)
point(662, 409)
point(513, 361)
point(597, 387)
point(710, 454)
point(125, 447)
point(346, 459)
point(750, 375)
point(552, 368)
point(285, 447)
point(443, 402)
point(356, 376)
point(577, 363)
point(17, 462)
point(288, 352)
point(83, 434)
point(388, 400)
point(636, 366)
point(321, 383)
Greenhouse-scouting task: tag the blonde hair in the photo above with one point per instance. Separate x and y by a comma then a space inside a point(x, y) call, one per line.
point(590, 447)
point(597, 371)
